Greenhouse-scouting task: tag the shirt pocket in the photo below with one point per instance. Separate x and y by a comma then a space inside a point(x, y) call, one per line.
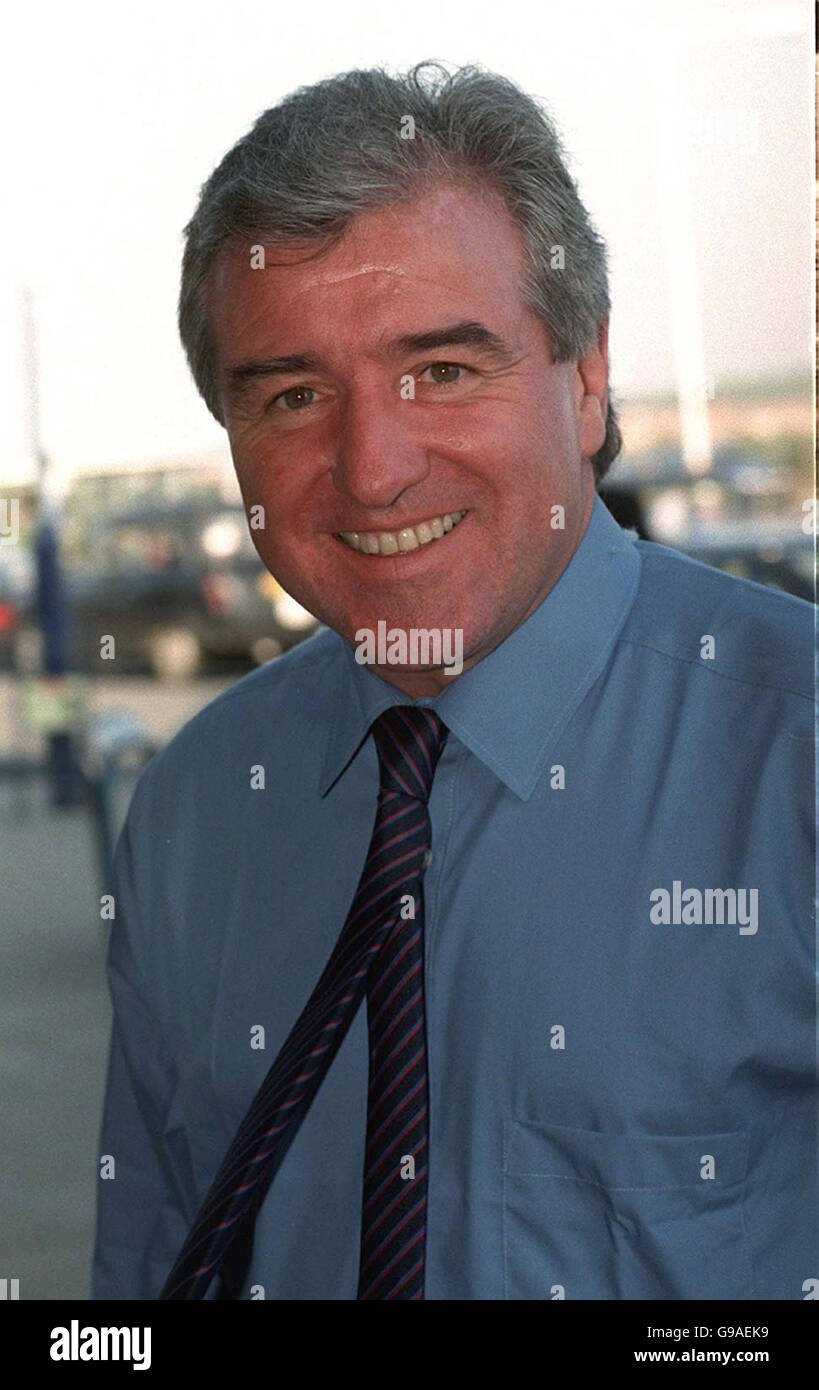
point(623, 1216)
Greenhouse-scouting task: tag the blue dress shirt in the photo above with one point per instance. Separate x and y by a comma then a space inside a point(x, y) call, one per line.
point(619, 953)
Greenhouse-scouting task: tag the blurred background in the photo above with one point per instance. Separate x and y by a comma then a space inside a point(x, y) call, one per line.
point(690, 130)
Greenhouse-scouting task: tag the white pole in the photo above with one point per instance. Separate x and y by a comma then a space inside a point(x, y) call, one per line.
point(694, 387)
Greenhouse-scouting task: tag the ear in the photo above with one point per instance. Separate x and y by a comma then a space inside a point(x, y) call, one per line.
point(592, 394)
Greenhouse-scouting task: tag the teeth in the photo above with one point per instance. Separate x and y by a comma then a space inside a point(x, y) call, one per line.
point(409, 538)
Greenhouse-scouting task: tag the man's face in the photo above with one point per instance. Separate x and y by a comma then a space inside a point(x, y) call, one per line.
point(374, 434)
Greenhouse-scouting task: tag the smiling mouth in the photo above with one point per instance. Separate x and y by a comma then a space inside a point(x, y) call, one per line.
point(400, 542)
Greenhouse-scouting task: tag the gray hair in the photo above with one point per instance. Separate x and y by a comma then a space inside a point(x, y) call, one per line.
point(340, 147)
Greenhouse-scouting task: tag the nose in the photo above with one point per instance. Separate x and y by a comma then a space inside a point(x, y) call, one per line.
point(377, 457)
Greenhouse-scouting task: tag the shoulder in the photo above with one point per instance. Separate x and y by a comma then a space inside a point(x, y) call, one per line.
point(760, 636)
point(276, 706)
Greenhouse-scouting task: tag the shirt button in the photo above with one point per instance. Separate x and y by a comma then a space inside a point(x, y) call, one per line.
point(427, 859)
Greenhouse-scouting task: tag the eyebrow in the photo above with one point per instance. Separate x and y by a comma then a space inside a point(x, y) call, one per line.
point(466, 333)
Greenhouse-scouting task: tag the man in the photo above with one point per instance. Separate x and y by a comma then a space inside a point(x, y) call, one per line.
point(564, 854)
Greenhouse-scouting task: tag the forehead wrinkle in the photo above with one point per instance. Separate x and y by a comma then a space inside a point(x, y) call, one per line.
point(331, 277)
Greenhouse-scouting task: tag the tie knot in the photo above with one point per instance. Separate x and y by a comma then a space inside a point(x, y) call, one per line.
point(409, 739)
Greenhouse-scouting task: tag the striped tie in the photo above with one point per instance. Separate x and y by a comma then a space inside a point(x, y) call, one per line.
point(380, 950)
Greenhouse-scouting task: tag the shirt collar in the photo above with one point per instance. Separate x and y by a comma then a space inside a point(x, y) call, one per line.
point(510, 707)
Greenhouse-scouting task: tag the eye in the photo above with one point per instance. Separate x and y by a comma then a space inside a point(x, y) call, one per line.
point(294, 398)
point(447, 368)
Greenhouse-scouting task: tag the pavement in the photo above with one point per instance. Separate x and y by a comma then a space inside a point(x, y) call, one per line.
point(55, 1014)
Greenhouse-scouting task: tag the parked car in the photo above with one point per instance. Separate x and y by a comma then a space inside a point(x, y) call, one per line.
point(767, 550)
point(175, 586)
point(16, 581)
point(781, 556)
